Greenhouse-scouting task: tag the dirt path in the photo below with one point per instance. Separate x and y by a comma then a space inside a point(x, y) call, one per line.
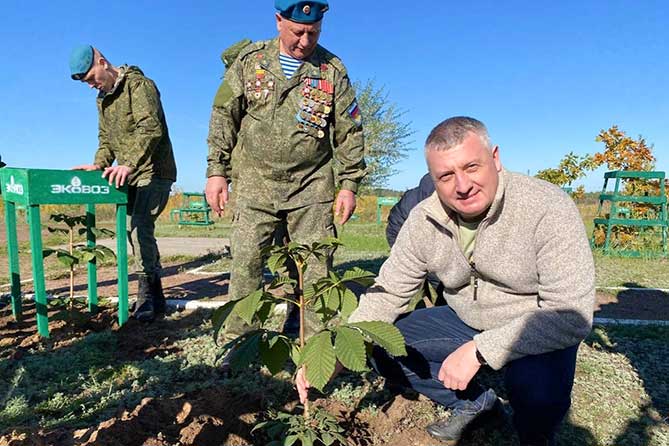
point(181, 283)
point(190, 246)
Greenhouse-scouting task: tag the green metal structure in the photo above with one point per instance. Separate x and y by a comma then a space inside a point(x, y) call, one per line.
point(384, 201)
point(194, 210)
point(619, 215)
point(34, 187)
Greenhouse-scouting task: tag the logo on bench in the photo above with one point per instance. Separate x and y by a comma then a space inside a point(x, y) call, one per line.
point(14, 188)
point(75, 187)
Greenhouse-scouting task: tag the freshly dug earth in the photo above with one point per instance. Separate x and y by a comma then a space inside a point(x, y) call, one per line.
point(213, 417)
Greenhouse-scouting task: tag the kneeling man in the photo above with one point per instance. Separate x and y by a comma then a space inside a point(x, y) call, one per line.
point(518, 276)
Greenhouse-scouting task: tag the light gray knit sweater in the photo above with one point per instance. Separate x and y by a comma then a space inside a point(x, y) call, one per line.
point(532, 286)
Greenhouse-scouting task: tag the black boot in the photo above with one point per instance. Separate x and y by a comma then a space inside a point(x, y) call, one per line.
point(144, 311)
point(158, 296)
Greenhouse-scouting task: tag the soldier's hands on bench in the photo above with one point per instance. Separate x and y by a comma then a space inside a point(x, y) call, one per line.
point(117, 174)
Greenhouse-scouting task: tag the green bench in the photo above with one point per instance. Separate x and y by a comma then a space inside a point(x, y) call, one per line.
point(621, 215)
point(194, 211)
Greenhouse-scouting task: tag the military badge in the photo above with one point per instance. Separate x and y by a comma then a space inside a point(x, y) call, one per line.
point(354, 113)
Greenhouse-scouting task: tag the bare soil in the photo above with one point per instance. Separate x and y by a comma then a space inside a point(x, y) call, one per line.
point(213, 417)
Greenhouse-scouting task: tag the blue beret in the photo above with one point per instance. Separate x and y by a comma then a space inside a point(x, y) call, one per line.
point(81, 60)
point(309, 11)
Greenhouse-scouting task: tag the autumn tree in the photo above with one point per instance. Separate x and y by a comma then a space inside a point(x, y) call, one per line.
point(622, 152)
point(571, 168)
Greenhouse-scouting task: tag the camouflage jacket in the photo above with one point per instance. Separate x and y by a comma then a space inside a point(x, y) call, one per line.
point(281, 135)
point(133, 130)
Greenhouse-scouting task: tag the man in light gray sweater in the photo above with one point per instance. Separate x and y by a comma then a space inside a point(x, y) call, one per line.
point(513, 256)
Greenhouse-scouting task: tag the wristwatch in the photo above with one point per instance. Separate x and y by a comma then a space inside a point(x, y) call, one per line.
point(480, 358)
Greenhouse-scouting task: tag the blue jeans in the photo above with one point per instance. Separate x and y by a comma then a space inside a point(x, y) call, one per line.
point(538, 386)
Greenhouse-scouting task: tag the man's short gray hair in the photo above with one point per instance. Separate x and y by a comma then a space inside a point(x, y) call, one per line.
point(453, 131)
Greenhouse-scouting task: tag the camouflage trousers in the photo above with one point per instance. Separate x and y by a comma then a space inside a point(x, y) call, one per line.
point(253, 229)
point(145, 203)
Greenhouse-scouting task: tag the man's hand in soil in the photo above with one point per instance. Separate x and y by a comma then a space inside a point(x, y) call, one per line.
point(216, 192)
point(117, 174)
point(303, 385)
point(459, 367)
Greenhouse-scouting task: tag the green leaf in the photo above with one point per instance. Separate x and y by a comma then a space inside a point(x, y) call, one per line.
point(327, 439)
point(278, 282)
point(277, 430)
point(309, 291)
point(276, 261)
point(350, 349)
point(46, 252)
point(319, 359)
point(265, 310)
point(308, 438)
point(384, 335)
point(274, 352)
point(296, 354)
point(432, 293)
point(316, 288)
point(88, 256)
point(294, 246)
point(358, 275)
point(102, 252)
point(220, 316)
point(331, 242)
point(290, 440)
point(58, 230)
point(102, 233)
point(66, 258)
point(246, 350)
point(334, 277)
point(333, 299)
point(349, 303)
point(82, 231)
point(246, 308)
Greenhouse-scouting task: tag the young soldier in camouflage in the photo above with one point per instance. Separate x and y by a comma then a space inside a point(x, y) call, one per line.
point(132, 131)
point(281, 133)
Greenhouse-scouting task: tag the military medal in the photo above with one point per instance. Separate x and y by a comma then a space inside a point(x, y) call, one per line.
point(261, 87)
point(315, 105)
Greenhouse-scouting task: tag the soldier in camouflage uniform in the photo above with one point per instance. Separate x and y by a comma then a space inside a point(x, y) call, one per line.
point(132, 131)
point(282, 134)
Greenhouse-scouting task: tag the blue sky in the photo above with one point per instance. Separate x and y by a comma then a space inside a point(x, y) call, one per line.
point(544, 76)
